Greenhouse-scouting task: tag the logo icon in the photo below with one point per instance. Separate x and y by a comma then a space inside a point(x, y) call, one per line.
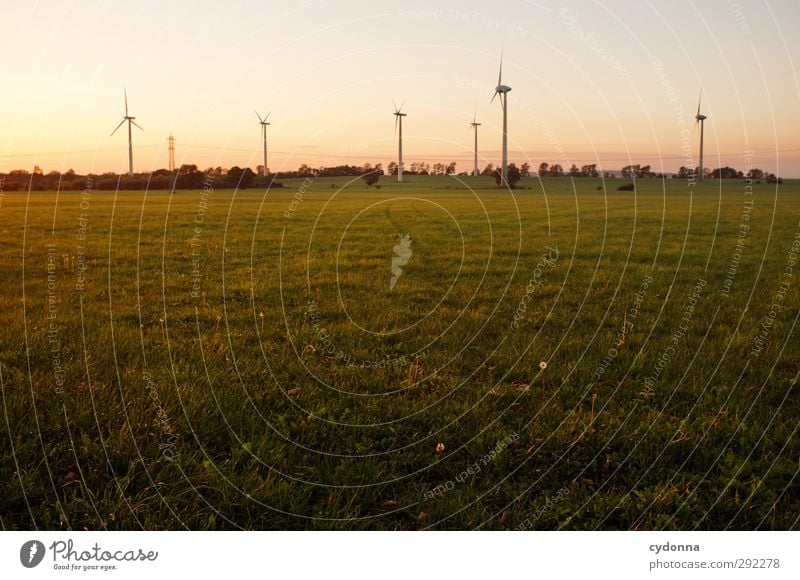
point(402, 254)
point(31, 553)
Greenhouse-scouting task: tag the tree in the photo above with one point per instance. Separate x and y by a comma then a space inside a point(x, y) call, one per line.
point(512, 176)
point(629, 171)
point(240, 178)
point(451, 168)
point(392, 168)
point(574, 171)
point(525, 170)
point(590, 170)
point(544, 169)
point(725, 173)
point(555, 170)
point(371, 177)
point(488, 170)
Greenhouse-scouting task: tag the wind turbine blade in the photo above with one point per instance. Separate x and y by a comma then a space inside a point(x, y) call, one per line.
point(260, 120)
point(500, 76)
point(493, 96)
point(137, 124)
point(395, 106)
point(403, 104)
point(698, 101)
point(396, 119)
point(118, 126)
point(126, 101)
point(267, 117)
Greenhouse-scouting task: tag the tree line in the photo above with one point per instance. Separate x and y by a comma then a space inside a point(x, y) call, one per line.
point(189, 176)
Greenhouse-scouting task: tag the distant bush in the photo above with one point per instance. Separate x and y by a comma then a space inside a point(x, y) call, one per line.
point(626, 187)
point(371, 177)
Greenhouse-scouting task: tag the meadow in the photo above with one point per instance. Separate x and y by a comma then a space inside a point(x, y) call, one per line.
point(224, 359)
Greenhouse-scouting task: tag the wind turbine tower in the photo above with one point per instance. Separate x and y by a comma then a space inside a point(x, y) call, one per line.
point(130, 121)
point(263, 123)
point(699, 119)
point(475, 126)
point(503, 91)
point(398, 124)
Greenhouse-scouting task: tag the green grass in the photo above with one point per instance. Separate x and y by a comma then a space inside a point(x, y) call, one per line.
point(224, 410)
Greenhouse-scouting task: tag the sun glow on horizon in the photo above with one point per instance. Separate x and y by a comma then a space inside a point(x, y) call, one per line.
point(612, 85)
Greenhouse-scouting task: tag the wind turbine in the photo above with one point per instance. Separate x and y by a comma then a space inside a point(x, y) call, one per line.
point(398, 123)
point(475, 126)
point(264, 124)
point(503, 91)
point(699, 123)
point(130, 121)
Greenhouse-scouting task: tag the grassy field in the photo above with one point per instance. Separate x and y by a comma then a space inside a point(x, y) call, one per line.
point(220, 359)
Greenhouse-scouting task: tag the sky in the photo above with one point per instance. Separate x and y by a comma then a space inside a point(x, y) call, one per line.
point(611, 82)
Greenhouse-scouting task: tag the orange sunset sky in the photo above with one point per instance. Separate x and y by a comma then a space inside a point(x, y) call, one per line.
point(607, 82)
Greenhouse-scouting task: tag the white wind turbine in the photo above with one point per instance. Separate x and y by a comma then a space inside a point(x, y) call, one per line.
point(503, 91)
point(398, 124)
point(699, 119)
point(130, 121)
point(475, 126)
point(263, 123)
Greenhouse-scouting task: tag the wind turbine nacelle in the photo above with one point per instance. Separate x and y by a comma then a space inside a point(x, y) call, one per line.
point(503, 88)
